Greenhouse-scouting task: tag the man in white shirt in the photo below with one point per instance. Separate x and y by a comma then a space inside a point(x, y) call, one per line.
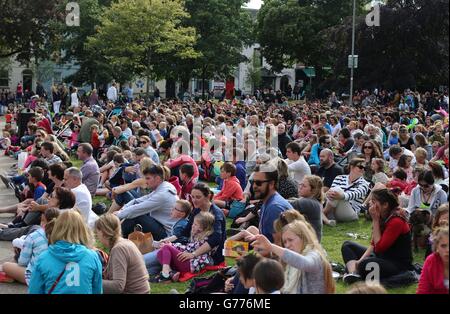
point(112, 93)
point(297, 165)
point(83, 198)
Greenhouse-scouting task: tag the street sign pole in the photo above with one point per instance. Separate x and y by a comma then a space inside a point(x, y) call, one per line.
point(353, 54)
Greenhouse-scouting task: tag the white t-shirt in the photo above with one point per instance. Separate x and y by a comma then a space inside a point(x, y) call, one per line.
point(298, 169)
point(83, 201)
point(112, 93)
point(74, 100)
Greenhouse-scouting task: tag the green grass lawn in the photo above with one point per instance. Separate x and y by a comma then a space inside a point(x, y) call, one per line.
point(332, 240)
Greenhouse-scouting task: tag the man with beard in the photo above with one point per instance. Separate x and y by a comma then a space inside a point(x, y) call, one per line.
point(328, 168)
point(264, 185)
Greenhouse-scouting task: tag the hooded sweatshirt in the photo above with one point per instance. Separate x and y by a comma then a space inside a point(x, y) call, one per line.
point(438, 197)
point(82, 270)
point(231, 190)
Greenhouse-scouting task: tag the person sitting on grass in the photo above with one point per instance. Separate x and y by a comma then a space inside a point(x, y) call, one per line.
point(310, 202)
point(181, 211)
point(268, 276)
point(202, 199)
point(390, 247)
point(243, 280)
point(169, 253)
point(264, 183)
point(308, 270)
point(434, 276)
point(346, 195)
point(188, 182)
point(33, 245)
point(69, 248)
point(231, 190)
point(125, 271)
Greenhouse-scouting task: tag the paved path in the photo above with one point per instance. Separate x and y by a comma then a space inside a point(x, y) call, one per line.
point(7, 198)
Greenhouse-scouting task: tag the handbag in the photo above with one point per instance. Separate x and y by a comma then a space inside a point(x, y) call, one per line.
point(57, 280)
point(144, 241)
point(236, 208)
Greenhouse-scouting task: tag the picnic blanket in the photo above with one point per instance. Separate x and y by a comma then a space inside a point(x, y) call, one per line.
point(185, 276)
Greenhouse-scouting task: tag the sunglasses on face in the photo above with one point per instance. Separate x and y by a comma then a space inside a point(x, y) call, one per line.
point(424, 186)
point(259, 182)
point(369, 147)
point(143, 142)
point(360, 166)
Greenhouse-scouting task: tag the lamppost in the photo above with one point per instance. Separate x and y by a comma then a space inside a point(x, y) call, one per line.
point(352, 68)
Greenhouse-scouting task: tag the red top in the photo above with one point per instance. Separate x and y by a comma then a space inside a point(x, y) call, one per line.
point(393, 229)
point(185, 159)
point(94, 140)
point(8, 117)
point(231, 190)
point(432, 277)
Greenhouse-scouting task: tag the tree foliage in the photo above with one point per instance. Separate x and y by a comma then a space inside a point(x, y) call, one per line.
point(408, 50)
point(223, 29)
point(134, 35)
point(27, 28)
point(287, 30)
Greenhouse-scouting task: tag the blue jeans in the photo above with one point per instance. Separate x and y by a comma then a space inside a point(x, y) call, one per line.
point(148, 223)
point(152, 263)
point(124, 198)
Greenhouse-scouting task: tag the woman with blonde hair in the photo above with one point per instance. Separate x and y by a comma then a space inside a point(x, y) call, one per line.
point(434, 276)
point(307, 269)
point(310, 202)
point(125, 272)
point(58, 146)
point(69, 266)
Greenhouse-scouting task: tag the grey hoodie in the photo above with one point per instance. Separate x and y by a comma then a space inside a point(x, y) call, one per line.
point(158, 204)
point(438, 197)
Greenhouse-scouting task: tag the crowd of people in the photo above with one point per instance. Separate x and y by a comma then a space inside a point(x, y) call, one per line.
point(278, 171)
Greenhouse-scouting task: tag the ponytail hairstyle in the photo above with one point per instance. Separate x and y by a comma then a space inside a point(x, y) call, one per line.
point(50, 216)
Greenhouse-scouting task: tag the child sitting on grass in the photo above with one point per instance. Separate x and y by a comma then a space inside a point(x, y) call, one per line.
point(268, 276)
point(231, 191)
point(181, 211)
point(34, 244)
point(243, 281)
point(170, 256)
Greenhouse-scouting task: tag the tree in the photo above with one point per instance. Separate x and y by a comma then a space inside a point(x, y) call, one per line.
point(28, 28)
point(223, 29)
point(408, 50)
point(92, 67)
point(134, 35)
point(253, 74)
point(287, 30)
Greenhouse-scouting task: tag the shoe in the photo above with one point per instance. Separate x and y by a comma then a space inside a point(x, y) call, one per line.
point(332, 223)
point(173, 291)
point(5, 180)
point(351, 278)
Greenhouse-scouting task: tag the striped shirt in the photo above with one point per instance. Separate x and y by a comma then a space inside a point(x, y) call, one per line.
point(35, 243)
point(355, 193)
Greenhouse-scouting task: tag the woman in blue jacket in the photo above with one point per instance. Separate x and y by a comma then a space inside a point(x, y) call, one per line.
point(69, 266)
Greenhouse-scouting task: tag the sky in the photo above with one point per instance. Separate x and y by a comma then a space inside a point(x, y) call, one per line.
point(254, 4)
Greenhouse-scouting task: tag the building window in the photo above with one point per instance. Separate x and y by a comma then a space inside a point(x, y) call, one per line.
point(57, 77)
point(4, 77)
point(258, 56)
